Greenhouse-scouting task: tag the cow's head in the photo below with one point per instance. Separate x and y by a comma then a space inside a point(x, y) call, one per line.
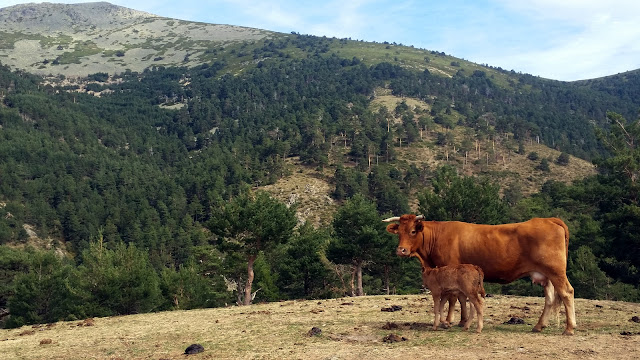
point(409, 229)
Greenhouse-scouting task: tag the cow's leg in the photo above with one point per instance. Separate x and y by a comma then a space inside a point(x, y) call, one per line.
point(565, 291)
point(472, 308)
point(478, 304)
point(452, 299)
point(549, 299)
point(558, 286)
point(464, 315)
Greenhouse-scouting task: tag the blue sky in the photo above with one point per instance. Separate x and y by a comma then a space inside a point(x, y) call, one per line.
point(556, 39)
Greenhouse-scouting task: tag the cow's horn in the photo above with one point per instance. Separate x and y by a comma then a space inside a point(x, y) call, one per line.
point(420, 217)
point(395, 218)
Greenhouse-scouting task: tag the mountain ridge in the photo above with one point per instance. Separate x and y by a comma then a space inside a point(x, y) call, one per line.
point(87, 38)
point(28, 16)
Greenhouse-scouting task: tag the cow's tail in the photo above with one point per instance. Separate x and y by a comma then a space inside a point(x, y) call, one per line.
point(481, 282)
point(557, 301)
point(561, 223)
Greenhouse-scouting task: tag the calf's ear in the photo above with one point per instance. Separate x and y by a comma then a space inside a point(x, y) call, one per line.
point(393, 228)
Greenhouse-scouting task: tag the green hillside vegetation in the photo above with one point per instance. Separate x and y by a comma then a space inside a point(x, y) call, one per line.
point(116, 204)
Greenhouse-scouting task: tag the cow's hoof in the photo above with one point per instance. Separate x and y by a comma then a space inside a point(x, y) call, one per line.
point(536, 329)
point(568, 332)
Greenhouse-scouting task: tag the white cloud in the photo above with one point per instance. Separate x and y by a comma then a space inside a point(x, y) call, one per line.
point(575, 11)
point(591, 39)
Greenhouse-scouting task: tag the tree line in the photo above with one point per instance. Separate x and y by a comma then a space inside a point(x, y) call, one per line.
point(117, 177)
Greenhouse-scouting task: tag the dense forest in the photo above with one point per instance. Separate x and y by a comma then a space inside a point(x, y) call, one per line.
point(148, 208)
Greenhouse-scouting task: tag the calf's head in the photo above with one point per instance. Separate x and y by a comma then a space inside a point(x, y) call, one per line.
point(409, 230)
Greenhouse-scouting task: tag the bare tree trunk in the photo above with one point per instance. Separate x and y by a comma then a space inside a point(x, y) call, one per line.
point(386, 279)
point(353, 276)
point(247, 288)
point(359, 291)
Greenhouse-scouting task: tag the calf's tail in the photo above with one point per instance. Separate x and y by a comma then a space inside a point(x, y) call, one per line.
point(481, 281)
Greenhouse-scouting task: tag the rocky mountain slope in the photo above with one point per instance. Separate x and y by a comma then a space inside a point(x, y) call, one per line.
point(81, 39)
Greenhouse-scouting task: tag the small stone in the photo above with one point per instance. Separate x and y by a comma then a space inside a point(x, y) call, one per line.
point(514, 321)
point(194, 349)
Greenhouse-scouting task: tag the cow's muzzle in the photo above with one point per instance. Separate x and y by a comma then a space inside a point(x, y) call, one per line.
point(400, 251)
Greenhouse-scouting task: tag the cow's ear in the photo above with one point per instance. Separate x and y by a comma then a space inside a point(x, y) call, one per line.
point(419, 226)
point(393, 228)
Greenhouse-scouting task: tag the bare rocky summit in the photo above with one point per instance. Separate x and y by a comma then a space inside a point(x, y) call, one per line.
point(81, 39)
point(60, 18)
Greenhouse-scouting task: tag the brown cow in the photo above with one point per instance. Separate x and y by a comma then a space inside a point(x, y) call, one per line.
point(537, 248)
point(465, 279)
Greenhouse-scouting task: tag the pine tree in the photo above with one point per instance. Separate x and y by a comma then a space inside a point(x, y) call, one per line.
point(359, 234)
point(250, 224)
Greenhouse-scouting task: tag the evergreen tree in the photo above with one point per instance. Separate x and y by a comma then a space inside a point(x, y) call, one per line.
point(119, 281)
point(185, 288)
point(250, 224)
point(303, 273)
point(462, 199)
point(563, 159)
point(359, 234)
point(46, 293)
point(587, 278)
point(621, 202)
point(387, 194)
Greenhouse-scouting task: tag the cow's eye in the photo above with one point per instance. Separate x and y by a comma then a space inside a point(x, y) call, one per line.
point(413, 232)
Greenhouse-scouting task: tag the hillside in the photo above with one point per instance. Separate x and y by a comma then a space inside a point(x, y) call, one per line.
point(495, 156)
point(81, 39)
point(351, 328)
point(66, 43)
point(157, 161)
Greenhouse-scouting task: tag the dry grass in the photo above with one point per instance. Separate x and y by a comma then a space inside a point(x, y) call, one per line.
point(309, 189)
point(352, 328)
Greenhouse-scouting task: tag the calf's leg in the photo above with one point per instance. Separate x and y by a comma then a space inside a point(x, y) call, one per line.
point(467, 323)
point(444, 324)
point(436, 309)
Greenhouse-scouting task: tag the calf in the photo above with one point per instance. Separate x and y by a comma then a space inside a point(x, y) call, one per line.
point(466, 279)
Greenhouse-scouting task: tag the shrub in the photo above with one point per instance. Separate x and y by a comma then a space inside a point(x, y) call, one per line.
point(563, 159)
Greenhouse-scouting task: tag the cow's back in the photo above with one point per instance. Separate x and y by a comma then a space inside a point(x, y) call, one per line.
point(504, 252)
